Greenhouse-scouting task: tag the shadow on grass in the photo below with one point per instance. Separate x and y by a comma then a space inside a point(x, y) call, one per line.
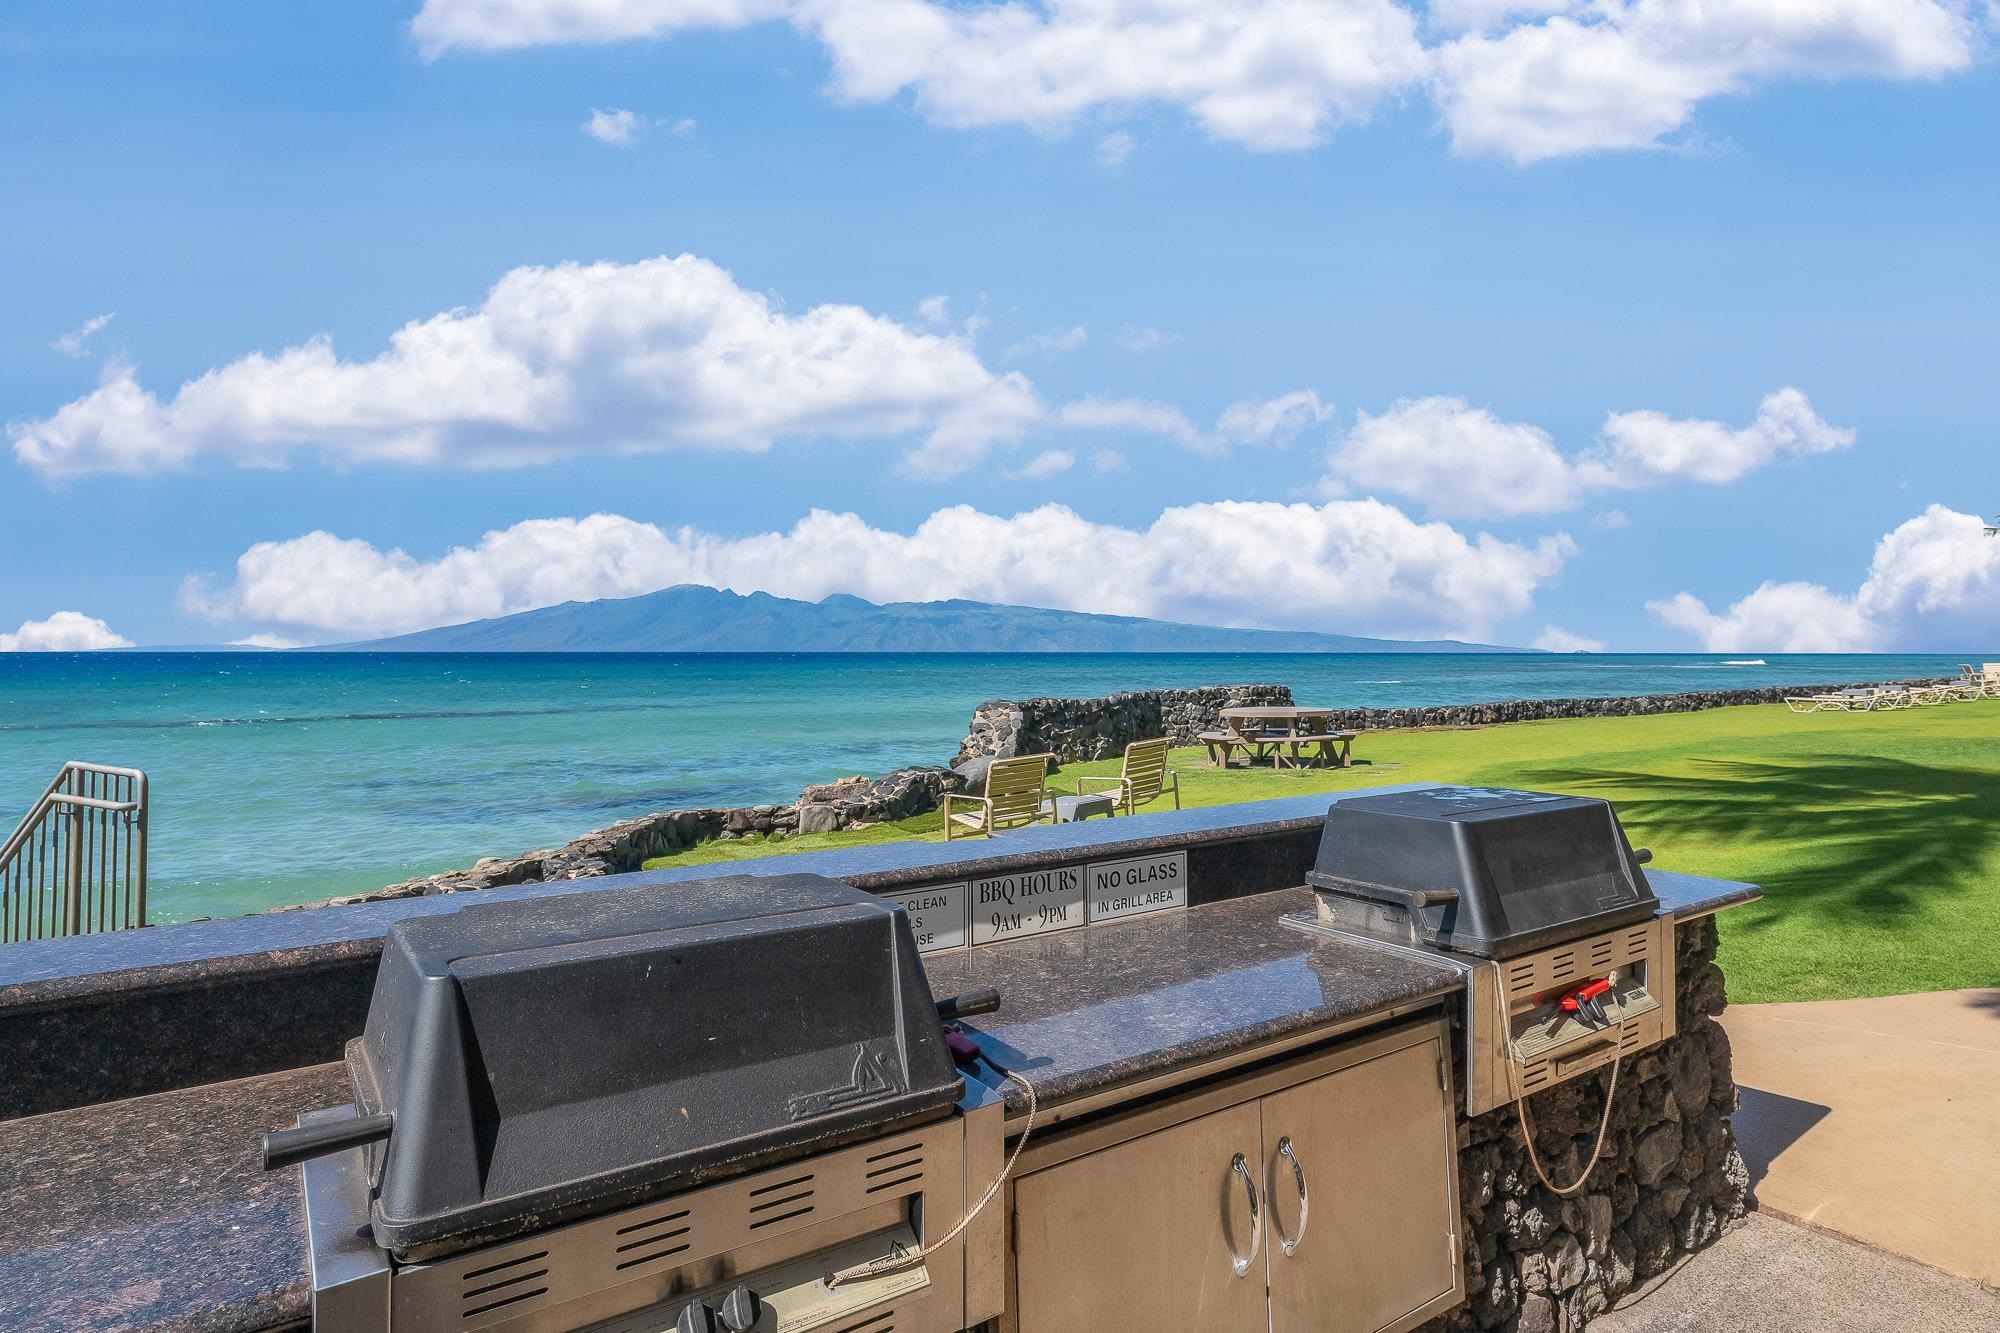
point(1854, 839)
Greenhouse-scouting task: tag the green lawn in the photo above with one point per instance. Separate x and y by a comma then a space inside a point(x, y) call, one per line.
point(1876, 836)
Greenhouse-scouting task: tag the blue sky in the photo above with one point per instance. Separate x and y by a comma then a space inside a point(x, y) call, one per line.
point(1404, 349)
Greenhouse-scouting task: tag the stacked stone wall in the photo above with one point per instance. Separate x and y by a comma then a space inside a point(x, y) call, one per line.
point(1670, 1180)
point(1075, 730)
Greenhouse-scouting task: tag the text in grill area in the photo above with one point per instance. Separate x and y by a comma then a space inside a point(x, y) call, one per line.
point(1133, 887)
point(938, 915)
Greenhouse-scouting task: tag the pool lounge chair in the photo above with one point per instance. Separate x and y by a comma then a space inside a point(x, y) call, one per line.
point(1144, 777)
point(1016, 792)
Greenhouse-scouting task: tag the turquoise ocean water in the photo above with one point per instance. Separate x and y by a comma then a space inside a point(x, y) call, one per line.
point(284, 777)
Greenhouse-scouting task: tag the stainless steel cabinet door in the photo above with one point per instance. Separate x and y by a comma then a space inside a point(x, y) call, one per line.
point(1147, 1235)
point(1374, 1148)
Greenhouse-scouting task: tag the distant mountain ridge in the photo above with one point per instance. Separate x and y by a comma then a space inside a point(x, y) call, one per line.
point(691, 617)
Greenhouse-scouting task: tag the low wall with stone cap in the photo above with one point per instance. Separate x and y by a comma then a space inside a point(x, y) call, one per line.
point(1670, 1180)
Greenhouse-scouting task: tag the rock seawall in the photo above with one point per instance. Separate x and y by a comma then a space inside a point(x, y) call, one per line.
point(1670, 1181)
point(1075, 730)
point(1548, 710)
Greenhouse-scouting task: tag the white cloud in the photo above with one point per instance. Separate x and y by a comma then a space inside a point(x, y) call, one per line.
point(1464, 461)
point(1114, 148)
point(1456, 458)
point(77, 341)
point(1143, 340)
point(272, 641)
point(1048, 463)
point(1776, 618)
point(1644, 448)
point(1247, 421)
point(1277, 420)
point(684, 127)
point(1135, 414)
point(501, 25)
point(63, 632)
point(620, 128)
point(1105, 461)
point(1356, 566)
point(1933, 585)
point(1525, 79)
point(558, 361)
point(1555, 640)
point(1615, 74)
point(935, 309)
point(1611, 520)
point(1049, 341)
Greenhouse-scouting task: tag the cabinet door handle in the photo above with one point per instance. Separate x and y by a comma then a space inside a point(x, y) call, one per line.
point(1290, 1244)
point(1242, 1263)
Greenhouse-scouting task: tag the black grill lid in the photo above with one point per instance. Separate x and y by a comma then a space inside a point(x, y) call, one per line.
point(556, 1057)
point(1481, 870)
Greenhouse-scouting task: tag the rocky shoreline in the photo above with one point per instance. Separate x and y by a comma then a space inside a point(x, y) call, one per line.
point(1073, 730)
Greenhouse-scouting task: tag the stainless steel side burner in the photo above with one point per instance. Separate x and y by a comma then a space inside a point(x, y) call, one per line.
point(1539, 899)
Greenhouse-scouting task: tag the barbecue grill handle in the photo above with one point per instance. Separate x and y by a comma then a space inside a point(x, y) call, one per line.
point(1642, 854)
point(1412, 899)
point(985, 1000)
point(288, 1147)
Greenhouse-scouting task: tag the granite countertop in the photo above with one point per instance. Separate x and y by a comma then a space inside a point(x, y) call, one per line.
point(53, 972)
point(1685, 896)
point(1086, 1010)
point(153, 1213)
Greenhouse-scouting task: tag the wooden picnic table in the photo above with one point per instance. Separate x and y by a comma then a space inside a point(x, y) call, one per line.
point(1285, 733)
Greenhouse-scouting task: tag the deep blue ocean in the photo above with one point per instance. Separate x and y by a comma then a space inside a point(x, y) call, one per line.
point(284, 777)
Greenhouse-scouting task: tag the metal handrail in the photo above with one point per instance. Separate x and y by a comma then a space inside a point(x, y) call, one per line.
point(77, 864)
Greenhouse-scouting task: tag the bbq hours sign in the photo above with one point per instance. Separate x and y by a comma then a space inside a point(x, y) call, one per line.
point(1033, 902)
point(1005, 907)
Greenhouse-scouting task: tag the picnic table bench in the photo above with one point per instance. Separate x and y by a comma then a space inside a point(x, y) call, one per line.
point(1287, 736)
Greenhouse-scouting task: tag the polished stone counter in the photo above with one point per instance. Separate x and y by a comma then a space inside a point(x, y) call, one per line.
point(154, 1214)
point(151, 1213)
point(119, 1015)
point(1086, 1011)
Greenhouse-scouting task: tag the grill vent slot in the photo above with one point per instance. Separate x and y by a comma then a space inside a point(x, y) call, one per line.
point(875, 1323)
point(482, 1290)
point(655, 1238)
point(781, 1201)
point(896, 1166)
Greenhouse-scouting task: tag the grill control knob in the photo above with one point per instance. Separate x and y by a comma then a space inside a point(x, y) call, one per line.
point(741, 1309)
point(698, 1318)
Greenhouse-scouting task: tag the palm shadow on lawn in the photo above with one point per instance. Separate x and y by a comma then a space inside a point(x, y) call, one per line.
point(1854, 839)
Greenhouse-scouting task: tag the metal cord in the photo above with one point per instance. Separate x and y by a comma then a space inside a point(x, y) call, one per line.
point(1521, 1101)
point(890, 1263)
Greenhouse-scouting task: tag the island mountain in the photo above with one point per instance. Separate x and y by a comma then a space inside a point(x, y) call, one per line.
point(691, 618)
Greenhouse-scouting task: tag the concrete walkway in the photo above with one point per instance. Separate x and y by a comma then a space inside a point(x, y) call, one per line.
point(1771, 1276)
point(1879, 1119)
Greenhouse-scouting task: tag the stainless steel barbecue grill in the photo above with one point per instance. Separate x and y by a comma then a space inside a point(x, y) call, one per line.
point(654, 1109)
point(1538, 898)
